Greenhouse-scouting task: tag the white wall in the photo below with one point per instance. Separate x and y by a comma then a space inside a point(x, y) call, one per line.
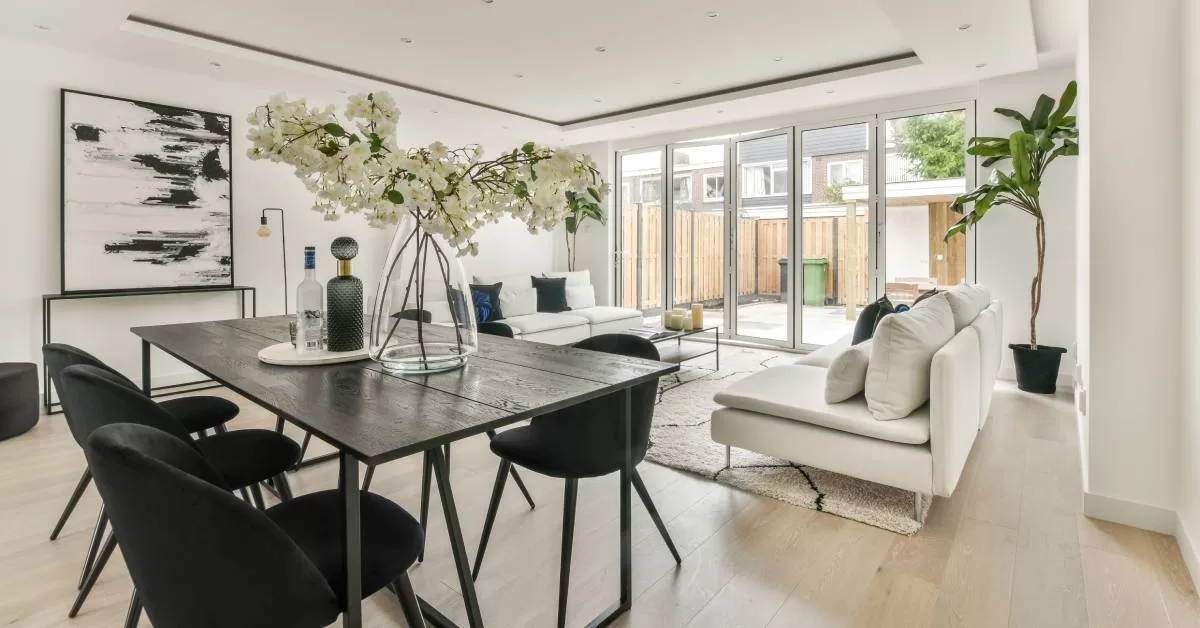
point(1189, 431)
point(30, 210)
point(1006, 251)
point(1133, 146)
point(594, 243)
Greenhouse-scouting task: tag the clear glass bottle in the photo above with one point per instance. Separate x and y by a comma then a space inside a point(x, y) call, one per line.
point(310, 301)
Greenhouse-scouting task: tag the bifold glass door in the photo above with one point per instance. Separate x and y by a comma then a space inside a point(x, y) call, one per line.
point(640, 261)
point(698, 176)
point(761, 238)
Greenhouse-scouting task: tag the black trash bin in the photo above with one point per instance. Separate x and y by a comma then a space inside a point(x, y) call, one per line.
point(783, 284)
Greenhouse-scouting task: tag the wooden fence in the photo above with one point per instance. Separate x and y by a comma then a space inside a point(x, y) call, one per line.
point(699, 255)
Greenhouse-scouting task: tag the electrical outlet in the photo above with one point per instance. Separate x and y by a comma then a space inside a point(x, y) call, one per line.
point(1081, 401)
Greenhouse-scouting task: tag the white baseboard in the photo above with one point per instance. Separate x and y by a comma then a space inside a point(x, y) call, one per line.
point(1188, 549)
point(1066, 380)
point(1130, 513)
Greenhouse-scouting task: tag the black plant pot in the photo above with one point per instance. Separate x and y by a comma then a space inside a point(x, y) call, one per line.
point(1037, 370)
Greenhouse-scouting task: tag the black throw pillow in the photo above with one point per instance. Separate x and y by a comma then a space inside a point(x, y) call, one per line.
point(493, 294)
point(885, 309)
point(925, 295)
point(551, 293)
point(865, 327)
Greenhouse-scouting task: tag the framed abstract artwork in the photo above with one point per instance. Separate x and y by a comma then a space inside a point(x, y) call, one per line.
point(147, 196)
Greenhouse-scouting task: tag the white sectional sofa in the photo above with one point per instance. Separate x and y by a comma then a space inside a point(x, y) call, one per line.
point(518, 302)
point(782, 412)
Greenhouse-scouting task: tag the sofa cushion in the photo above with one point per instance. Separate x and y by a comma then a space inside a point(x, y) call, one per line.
point(965, 303)
point(606, 314)
point(847, 374)
point(868, 317)
point(797, 392)
point(574, 278)
point(518, 298)
point(901, 353)
point(495, 311)
point(543, 321)
point(579, 297)
point(551, 293)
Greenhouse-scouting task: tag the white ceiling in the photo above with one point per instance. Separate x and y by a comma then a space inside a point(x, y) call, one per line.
point(666, 65)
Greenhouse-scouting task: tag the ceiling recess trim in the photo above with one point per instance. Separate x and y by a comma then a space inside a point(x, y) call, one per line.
point(186, 36)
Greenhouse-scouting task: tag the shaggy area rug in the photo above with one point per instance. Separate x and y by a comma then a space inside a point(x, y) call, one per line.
point(680, 439)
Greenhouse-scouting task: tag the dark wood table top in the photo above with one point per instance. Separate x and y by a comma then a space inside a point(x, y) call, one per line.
point(378, 416)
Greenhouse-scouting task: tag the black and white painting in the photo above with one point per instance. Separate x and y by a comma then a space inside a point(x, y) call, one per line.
point(147, 195)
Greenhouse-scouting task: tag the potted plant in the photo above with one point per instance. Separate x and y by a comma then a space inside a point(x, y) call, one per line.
point(1046, 134)
point(580, 208)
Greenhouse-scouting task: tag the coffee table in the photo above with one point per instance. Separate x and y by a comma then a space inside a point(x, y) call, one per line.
point(678, 353)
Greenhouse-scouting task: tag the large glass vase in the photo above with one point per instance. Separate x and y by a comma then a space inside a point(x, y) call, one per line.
point(423, 319)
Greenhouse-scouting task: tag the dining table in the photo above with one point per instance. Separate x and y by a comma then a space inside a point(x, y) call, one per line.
point(371, 416)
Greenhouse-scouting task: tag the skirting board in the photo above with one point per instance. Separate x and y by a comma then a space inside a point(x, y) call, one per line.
point(1066, 380)
point(1130, 513)
point(1188, 549)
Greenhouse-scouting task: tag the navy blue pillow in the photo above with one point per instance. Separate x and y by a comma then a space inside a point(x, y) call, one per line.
point(493, 295)
point(483, 306)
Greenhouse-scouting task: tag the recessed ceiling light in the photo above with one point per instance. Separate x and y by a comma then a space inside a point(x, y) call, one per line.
point(406, 40)
point(41, 27)
point(215, 64)
point(504, 126)
point(601, 49)
point(488, 1)
point(829, 91)
point(677, 82)
point(963, 27)
point(632, 126)
point(435, 112)
point(341, 91)
point(720, 111)
point(779, 58)
point(596, 100)
point(981, 65)
point(518, 76)
point(712, 14)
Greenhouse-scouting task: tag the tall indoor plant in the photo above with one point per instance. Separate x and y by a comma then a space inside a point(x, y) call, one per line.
point(440, 196)
point(1047, 133)
point(582, 207)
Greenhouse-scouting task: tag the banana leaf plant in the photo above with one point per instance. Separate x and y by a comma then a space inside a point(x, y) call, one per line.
point(1047, 133)
point(582, 207)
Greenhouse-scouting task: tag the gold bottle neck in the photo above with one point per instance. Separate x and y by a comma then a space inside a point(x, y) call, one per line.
point(343, 267)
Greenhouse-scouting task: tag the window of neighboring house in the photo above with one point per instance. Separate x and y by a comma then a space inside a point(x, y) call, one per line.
point(683, 188)
point(652, 190)
point(846, 172)
point(626, 199)
point(714, 187)
point(806, 176)
point(764, 180)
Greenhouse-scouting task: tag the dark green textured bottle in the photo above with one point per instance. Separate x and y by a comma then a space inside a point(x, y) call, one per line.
point(344, 300)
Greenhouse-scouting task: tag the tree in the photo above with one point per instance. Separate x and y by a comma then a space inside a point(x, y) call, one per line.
point(933, 144)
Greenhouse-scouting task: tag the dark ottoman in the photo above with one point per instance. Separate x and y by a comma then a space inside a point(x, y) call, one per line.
point(18, 398)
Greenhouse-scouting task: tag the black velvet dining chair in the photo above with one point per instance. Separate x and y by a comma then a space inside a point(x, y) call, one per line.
point(200, 557)
point(197, 413)
point(582, 441)
point(96, 397)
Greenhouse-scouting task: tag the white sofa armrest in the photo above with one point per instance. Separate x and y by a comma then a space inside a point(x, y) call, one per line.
point(953, 408)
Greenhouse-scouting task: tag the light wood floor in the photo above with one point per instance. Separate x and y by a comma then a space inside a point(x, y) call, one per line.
point(1010, 549)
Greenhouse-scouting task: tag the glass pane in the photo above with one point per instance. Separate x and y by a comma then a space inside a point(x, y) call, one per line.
point(761, 247)
point(925, 168)
point(834, 219)
point(699, 230)
point(641, 229)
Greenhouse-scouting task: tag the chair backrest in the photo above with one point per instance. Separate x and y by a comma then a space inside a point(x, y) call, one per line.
point(424, 316)
point(593, 428)
point(496, 328)
point(99, 397)
point(58, 356)
point(199, 556)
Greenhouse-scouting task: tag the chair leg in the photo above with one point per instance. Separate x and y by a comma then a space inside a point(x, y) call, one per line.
point(109, 545)
point(370, 474)
point(256, 493)
point(568, 536)
point(303, 449)
point(135, 611)
point(80, 486)
point(94, 546)
point(221, 429)
point(426, 479)
point(283, 487)
point(493, 506)
point(658, 522)
point(408, 601)
point(512, 470)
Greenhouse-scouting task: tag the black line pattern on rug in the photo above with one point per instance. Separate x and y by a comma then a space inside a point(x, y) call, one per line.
point(765, 466)
point(820, 503)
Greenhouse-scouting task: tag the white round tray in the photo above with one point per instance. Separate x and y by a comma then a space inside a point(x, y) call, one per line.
point(284, 354)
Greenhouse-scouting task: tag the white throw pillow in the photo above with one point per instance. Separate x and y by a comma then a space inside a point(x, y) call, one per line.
point(964, 303)
point(847, 373)
point(517, 300)
point(580, 297)
point(983, 295)
point(901, 353)
point(576, 278)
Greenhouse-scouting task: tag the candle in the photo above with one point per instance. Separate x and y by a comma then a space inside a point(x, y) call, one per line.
point(687, 323)
point(697, 316)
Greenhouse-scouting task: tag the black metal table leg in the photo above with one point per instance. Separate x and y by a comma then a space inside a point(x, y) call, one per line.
point(458, 548)
point(626, 602)
point(351, 539)
point(146, 368)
